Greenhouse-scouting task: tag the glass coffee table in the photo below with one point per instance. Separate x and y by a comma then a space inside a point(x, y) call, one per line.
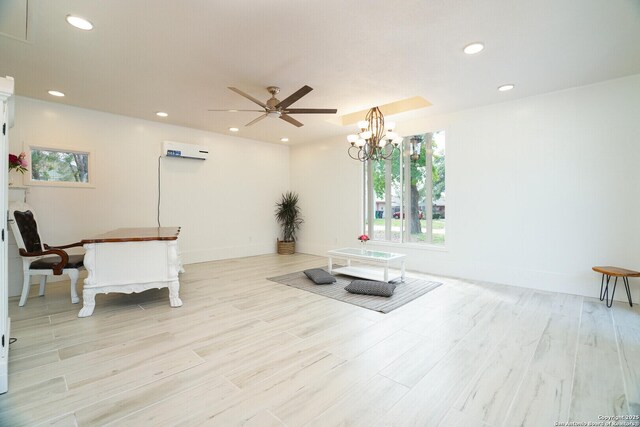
point(370, 259)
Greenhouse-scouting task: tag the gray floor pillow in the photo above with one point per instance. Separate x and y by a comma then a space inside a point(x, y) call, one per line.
point(371, 287)
point(319, 276)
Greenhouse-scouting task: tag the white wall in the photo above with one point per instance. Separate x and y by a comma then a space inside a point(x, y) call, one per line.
point(329, 184)
point(539, 190)
point(224, 204)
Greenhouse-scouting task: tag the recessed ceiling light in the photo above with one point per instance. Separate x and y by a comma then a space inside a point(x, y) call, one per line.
point(232, 111)
point(505, 88)
point(162, 114)
point(234, 129)
point(80, 23)
point(285, 139)
point(473, 48)
point(55, 93)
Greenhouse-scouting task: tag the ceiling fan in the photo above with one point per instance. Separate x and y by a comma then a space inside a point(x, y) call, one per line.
point(280, 109)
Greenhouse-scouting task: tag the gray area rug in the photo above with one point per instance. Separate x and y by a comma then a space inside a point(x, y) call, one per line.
point(405, 291)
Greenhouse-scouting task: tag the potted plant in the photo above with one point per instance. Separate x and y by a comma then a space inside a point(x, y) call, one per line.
point(288, 216)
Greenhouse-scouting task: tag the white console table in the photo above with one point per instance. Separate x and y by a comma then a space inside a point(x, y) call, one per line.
point(130, 260)
point(385, 259)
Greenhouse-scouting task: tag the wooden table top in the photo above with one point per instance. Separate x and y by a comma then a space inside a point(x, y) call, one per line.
point(616, 271)
point(135, 235)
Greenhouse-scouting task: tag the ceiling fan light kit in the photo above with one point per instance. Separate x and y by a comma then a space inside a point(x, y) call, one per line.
point(277, 109)
point(374, 141)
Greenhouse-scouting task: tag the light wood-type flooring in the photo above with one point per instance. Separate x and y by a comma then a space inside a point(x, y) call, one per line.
point(244, 350)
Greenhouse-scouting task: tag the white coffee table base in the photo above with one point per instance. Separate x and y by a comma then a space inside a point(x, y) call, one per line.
point(385, 273)
point(382, 275)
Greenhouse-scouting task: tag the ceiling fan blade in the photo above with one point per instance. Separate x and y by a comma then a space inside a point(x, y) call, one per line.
point(310, 111)
point(235, 111)
point(291, 120)
point(241, 93)
point(256, 120)
point(294, 97)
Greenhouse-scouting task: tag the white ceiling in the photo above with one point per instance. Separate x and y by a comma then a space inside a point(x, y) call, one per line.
point(180, 56)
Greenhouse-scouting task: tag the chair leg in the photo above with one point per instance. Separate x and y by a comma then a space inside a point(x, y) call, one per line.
point(73, 275)
point(26, 283)
point(43, 283)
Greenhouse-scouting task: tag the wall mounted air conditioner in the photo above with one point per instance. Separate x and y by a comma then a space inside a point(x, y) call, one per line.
point(184, 151)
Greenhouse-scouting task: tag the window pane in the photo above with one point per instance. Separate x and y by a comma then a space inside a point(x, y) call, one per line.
point(417, 187)
point(59, 166)
point(405, 195)
point(386, 198)
point(438, 197)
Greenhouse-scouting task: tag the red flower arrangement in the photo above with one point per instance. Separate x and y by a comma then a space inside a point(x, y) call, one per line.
point(18, 162)
point(363, 238)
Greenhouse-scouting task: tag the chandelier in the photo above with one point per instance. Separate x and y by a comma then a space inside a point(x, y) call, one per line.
point(374, 141)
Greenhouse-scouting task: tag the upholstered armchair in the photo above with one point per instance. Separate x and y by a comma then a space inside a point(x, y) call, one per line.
point(39, 259)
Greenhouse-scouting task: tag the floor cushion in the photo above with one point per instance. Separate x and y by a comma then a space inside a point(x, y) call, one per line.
point(371, 287)
point(319, 276)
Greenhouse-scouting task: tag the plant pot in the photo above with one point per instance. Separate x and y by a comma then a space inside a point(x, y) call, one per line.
point(286, 248)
